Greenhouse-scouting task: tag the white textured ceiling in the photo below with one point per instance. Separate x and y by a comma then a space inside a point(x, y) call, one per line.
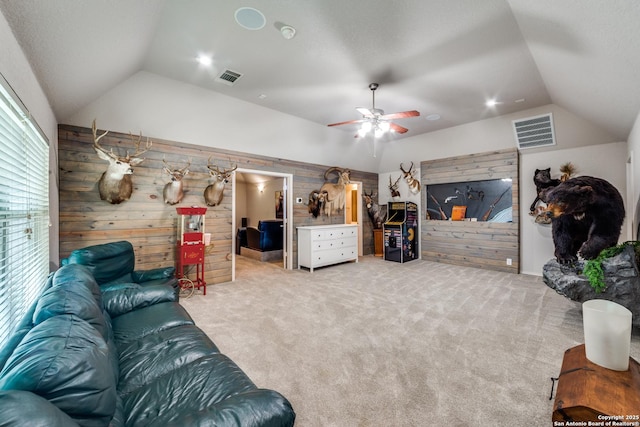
point(437, 57)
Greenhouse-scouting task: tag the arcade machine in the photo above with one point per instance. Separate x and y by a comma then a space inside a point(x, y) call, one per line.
point(401, 232)
point(190, 249)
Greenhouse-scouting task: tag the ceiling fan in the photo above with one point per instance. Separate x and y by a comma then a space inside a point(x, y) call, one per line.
point(374, 119)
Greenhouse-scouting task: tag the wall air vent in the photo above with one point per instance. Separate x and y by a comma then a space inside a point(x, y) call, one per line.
point(534, 132)
point(228, 77)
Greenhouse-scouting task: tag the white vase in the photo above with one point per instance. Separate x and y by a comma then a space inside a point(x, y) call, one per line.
point(607, 333)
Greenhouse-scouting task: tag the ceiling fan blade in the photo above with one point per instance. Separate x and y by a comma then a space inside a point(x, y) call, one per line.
point(348, 122)
point(365, 112)
point(401, 115)
point(397, 128)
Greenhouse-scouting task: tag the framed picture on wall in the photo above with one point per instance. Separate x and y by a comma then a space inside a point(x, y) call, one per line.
point(279, 204)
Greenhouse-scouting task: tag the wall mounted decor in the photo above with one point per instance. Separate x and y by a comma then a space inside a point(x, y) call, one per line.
point(335, 194)
point(214, 192)
point(115, 184)
point(173, 190)
point(486, 200)
point(412, 182)
point(393, 187)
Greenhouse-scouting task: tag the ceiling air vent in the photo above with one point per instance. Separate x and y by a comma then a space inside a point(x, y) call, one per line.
point(534, 132)
point(228, 77)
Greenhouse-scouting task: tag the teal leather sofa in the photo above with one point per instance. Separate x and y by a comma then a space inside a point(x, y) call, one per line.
point(123, 354)
point(111, 263)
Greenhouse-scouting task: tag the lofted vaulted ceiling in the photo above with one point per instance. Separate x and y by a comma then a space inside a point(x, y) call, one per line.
point(442, 58)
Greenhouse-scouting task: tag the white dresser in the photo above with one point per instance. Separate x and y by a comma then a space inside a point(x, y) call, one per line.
point(321, 245)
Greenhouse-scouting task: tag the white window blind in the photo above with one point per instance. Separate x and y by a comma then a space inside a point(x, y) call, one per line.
point(24, 211)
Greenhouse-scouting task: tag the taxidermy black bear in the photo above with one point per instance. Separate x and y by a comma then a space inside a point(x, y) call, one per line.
point(542, 179)
point(586, 217)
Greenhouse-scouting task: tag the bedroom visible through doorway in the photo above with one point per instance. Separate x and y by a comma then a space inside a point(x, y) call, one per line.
point(262, 206)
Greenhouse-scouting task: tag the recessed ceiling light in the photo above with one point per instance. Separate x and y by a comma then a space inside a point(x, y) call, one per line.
point(250, 18)
point(433, 117)
point(491, 103)
point(205, 60)
point(262, 96)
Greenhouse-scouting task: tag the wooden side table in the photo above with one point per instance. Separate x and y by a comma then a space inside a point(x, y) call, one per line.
point(378, 246)
point(587, 392)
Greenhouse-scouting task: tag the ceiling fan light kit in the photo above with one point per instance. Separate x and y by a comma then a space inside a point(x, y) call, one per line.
point(374, 119)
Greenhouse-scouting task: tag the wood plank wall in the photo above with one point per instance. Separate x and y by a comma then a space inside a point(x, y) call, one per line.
point(150, 224)
point(477, 244)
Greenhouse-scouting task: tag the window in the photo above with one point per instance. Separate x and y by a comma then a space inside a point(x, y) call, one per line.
point(24, 211)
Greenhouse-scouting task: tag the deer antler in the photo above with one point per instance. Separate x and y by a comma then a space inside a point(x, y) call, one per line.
point(210, 166)
point(138, 152)
point(167, 167)
point(170, 168)
point(97, 138)
point(225, 171)
point(186, 167)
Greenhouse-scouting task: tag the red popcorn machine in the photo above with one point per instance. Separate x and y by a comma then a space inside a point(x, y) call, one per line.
point(190, 249)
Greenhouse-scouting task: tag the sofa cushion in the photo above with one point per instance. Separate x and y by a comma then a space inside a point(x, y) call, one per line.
point(122, 298)
point(22, 408)
point(152, 356)
point(139, 323)
point(73, 300)
point(186, 390)
point(159, 273)
point(65, 360)
point(20, 330)
point(76, 276)
point(107, 262)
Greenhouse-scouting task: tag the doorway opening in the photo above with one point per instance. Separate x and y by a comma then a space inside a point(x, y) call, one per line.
point(353, 209)
point(262, 199)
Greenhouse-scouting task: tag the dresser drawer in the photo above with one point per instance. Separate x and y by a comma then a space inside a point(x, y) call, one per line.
point(335, 243)
point(334, 233)
point(333, 256)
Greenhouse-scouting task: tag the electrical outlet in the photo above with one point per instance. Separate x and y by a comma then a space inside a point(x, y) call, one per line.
point(509, 262)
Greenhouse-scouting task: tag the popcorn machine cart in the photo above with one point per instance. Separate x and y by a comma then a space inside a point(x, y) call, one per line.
point(190, 249)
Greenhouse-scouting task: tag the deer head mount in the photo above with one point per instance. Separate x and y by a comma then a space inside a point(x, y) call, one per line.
point(377, 214)
point(393, 187)
point(173, 190)
point(414, 184)
point(115, 185)
point(214, 192)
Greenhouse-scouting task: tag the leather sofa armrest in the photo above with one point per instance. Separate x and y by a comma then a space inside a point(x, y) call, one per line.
point(140, 276)
point(122, 298)
point(267, 406)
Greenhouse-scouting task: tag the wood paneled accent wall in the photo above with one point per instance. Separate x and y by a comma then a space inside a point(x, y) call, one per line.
point(150, 224)
point(477, 244)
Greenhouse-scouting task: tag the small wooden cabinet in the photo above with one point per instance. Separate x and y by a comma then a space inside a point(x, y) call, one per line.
point(323, 245)
point(378, 244)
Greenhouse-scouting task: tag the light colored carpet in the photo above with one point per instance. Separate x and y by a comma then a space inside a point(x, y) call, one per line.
point(378, 343)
